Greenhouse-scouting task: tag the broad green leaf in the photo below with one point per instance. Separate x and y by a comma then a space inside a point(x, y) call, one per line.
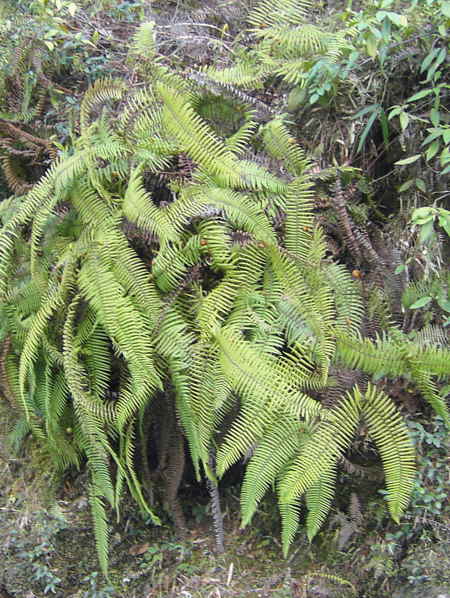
point(428, 60)
point(394, 111)
point(435, 132)
point(444, 221)
point(406, 185)
point(409, 160)
point(381, 15)
point(399, 20)
point(367, 110)
point(439, 60)
point(435, 117)
point(422, 215)
point(445, 156)
point(426, 231)
point(421, 94)
point(444, 303)
point(385, 127)
point(421, 302)
point(420, 184)
point(399, 269)
point(432, 150)
point(441, 57)
point(371, 45)
point(404, 120)
point(422, 221)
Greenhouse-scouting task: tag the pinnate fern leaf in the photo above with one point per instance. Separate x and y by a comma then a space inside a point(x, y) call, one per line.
point(389, 432)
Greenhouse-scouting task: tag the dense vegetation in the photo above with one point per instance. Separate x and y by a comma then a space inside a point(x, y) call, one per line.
point(226, 246)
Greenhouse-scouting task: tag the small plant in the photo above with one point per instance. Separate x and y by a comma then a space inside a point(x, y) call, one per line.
point(429, 507)
point(157, 555)
point(94, 590)
point(425, 219)
point(430, 492)
point(40, 555)
point(43, 574)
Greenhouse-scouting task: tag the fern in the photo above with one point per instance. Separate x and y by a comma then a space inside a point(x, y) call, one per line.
point(286, 45)
point(159, 289)
point(319, 498)
point(391, 438)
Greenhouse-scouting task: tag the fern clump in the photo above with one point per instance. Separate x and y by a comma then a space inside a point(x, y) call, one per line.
point(287, 46)
point(154, 269)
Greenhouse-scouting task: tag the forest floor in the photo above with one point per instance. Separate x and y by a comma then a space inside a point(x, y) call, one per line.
point(47, 548)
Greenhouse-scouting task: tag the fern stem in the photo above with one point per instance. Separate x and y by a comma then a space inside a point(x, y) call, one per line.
point(217, 514)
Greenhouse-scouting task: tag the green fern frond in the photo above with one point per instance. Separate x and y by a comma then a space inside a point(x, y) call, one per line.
point(186, 412)
point(210, 394)
point(282, 146)
point(370, 356)
point(280, 443)
point(170, 276)
point(264, 390)
point(138, 207)
point(433, 360)
point(306, 40)
point(196, 138)
point(326, 444)
point(247, 73)
point(432, 335)
point(393, 357)
point(299, 218)
point(267, 13)
point(101, 530)
point(101, 92)
point(50, 304)
point(144, 42)
point(128, 330)
point(349, 305)
point(319, 498)
point(127, 465)
point(238, 142)
point(290, 519)
point(240, 210)
point(391, 438)
point(429, 390)
point(217, 305)
point(23, 215)
point(19, 432)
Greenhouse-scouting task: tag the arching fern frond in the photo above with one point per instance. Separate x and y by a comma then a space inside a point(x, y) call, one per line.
point(138, 207)
point(280, 443)
point(268, 13)
point(391, 438)
point(102, 91)
point(318, 501)
point(326, 444)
